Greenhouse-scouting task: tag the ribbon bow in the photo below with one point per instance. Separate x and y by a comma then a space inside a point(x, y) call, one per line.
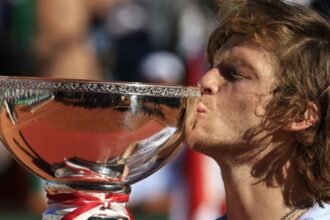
point(88, 204)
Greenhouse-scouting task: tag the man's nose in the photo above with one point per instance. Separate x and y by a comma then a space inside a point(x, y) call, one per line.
point(210, 82)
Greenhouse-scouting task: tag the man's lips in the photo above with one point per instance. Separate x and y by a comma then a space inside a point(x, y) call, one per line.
point(201, 108)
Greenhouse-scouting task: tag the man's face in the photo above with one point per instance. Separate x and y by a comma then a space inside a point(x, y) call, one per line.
point(235, 93)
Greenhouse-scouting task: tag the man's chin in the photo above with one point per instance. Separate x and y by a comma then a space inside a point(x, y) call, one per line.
point(194, 141)
point(197, 139)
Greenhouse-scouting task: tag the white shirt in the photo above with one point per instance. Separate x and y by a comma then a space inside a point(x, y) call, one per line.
point(314, 213)
point(317, 213)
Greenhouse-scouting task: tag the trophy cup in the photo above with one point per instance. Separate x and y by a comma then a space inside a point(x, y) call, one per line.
point(90, 140)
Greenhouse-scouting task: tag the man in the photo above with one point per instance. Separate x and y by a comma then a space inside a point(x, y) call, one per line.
point(263, 114)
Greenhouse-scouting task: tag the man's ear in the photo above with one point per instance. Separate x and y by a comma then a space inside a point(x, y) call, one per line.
point(310, 118)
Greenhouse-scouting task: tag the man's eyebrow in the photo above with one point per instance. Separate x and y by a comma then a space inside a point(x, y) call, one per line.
point(218, 56)
point(239, 61)
point(229, 58)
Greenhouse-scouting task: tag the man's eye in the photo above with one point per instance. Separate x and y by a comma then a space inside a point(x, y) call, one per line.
point(229, 73)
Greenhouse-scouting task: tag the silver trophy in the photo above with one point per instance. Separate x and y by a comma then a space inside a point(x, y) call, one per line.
point(90, 140)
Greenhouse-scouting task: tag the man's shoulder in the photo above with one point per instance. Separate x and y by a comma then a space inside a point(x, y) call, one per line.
point(317, 213)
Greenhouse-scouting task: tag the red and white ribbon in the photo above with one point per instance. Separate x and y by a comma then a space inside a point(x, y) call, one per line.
point(81, 206)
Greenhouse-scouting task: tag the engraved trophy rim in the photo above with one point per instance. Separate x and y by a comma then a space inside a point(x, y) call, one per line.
point(98, 86)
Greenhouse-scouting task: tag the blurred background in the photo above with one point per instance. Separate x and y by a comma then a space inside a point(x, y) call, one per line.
point(154, 41)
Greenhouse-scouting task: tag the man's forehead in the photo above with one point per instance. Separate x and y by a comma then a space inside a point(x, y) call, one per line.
point(236, 41)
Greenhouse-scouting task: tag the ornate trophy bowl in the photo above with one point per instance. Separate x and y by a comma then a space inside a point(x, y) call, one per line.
point(91, 139)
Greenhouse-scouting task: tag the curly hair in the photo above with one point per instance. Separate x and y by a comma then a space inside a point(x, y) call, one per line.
point(299, 39)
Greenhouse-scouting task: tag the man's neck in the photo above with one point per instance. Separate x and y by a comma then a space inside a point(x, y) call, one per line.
point(257, 190)
point(249, 199)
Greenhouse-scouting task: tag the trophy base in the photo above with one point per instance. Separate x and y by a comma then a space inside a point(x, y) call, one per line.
point(59, 217)
point(86, 201)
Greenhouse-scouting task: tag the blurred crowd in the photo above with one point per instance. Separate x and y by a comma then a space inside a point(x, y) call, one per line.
point(97, 39)
point(155, 41)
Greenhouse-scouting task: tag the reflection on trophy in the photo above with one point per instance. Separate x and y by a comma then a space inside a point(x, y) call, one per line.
point(90, 140)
